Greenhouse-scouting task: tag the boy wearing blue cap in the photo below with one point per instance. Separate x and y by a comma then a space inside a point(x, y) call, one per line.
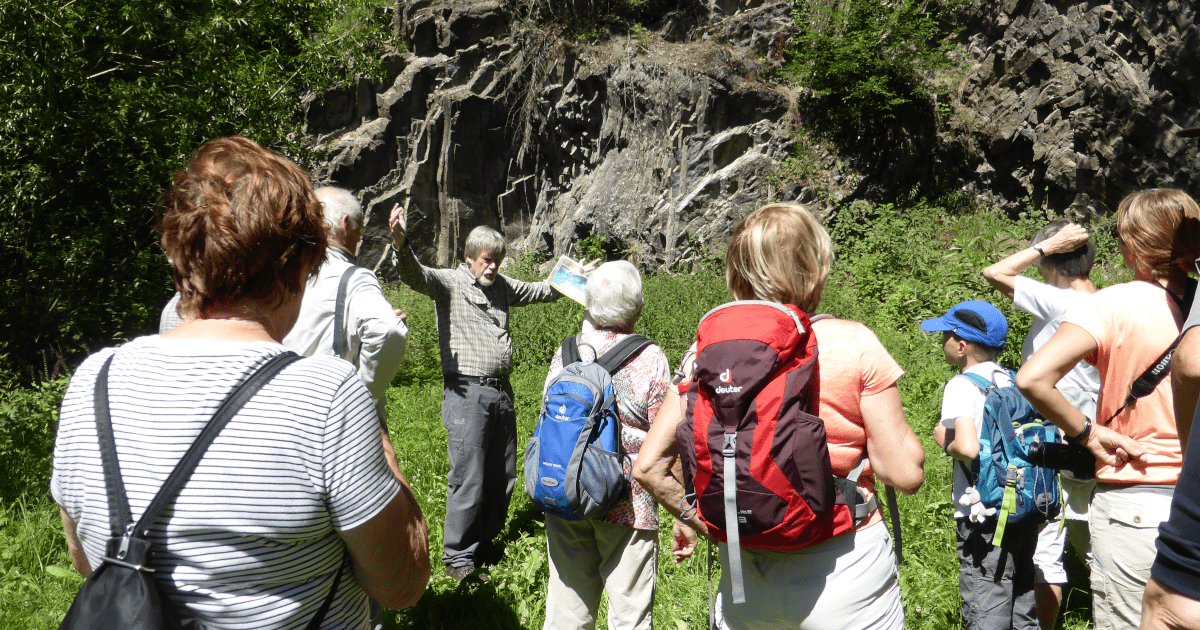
point(996, 582)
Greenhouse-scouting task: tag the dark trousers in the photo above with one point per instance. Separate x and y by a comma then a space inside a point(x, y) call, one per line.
point(997, 582)
point(481, 427)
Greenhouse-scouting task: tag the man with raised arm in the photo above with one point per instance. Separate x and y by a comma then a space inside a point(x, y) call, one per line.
point(344, 312)
point(472, 302)
point(1064, 255)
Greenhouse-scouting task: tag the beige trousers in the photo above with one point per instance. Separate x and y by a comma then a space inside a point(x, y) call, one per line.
point(590, 557)
point(1124, 524)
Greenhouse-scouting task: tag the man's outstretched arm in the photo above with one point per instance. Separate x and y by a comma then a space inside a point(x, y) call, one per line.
point(418, 277)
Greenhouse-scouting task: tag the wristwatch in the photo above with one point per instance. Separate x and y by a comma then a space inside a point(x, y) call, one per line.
point(1083, 435)
point(1038, 248)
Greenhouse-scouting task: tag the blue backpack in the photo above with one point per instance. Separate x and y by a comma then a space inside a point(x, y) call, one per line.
point(575, 463)
point(1020, 491)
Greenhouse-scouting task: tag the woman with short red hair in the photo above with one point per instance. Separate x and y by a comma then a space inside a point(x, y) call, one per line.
point(258, 537)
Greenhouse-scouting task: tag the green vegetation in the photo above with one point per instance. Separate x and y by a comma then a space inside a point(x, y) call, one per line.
point(860, 60)
point(28, 420)
point(101, 102)
point(895, 266)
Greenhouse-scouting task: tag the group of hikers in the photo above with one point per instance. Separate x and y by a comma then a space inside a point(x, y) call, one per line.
point(289, 509)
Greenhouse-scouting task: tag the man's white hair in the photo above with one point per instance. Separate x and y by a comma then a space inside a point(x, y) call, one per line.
point(614, 296)
point(484, 239)
point(337, 203)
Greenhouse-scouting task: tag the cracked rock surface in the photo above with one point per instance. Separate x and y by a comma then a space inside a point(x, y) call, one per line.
point(660, 141)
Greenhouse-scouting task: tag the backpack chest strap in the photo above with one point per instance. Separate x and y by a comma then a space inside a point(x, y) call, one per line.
point(733, 536)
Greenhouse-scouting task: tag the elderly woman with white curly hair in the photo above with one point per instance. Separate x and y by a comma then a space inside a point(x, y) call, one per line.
point(617, 553)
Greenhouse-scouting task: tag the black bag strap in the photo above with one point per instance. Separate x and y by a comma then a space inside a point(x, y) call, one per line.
point(1153, 375)
point(183, 470)
point(897, 535)
point(341, 336)
point(624, 349)
point(118, 503)
point(570, 351)
point(319, 618)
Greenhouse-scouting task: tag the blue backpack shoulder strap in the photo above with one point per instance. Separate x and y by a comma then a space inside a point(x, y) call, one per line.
point(978, 381)
point(624, 350)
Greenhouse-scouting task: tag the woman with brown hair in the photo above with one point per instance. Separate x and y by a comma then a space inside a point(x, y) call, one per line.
point(297, 483)
point(781, 254)
point(1122, 331)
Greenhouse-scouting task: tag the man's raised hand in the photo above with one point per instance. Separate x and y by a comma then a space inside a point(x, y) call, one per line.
point(398, 222)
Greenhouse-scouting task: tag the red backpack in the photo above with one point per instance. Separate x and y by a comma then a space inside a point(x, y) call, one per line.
point(751, 445)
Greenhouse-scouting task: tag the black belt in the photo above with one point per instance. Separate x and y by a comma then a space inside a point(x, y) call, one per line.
point(487, 381)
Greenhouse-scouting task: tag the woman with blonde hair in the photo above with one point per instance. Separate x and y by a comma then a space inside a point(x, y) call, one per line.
point(1123, 330)
point(781, 254)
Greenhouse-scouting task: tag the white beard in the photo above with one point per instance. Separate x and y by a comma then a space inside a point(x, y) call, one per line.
point(485, 281)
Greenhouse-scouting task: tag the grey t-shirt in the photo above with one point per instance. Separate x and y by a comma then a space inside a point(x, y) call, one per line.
point(1193, 318)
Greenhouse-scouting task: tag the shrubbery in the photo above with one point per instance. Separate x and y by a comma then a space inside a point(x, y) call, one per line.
point(28, 420)
point(101, 102)
point(862, 59)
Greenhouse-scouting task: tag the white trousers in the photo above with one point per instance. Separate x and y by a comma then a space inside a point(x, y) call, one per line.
point(846, 583)
point(1124, 524)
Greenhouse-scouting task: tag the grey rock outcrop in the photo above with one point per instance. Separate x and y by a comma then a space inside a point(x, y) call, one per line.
point(1072, 105)
point(660, 139)
point(657, 147)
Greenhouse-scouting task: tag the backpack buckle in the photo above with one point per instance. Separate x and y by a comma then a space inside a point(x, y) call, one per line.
point(729, 447)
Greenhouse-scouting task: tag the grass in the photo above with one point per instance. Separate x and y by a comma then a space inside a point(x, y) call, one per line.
point(37, 582)
point(895, 267)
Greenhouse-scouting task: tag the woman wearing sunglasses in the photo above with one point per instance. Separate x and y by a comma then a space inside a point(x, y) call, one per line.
point(1123, 331)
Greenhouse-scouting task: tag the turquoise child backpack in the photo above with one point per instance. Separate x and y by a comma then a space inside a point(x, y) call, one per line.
point(1002, 473)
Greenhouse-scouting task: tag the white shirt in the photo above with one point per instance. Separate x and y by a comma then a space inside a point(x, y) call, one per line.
point(249, 543)
point(375, 339)
point(964, 399)
point(1048, 304)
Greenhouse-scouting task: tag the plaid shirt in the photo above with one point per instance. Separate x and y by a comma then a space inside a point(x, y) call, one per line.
point(472, 320)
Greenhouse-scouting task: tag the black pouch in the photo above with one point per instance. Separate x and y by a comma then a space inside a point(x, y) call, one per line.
point(121, 593)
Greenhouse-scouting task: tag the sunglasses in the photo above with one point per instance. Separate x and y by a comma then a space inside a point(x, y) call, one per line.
point(1116, 234)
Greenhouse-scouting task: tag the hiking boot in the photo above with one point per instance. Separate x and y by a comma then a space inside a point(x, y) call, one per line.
point(467, 571)
point(459, 574)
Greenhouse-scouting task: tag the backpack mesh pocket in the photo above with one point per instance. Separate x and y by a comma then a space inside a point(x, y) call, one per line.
point(531, 465)
point(602, 477)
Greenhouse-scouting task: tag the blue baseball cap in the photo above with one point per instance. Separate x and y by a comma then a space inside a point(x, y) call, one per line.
point(975, 320)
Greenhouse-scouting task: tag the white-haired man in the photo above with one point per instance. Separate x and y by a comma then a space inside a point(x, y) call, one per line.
point(344, 312)
point(472, 303)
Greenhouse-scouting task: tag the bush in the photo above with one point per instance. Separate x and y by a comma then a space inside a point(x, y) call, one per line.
point(102, 101)
point(28, 421)
point(862, 59)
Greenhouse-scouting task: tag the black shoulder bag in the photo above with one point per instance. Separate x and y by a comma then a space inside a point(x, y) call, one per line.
point(121, 593)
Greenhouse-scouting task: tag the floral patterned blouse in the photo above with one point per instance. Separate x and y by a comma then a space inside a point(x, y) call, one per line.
point(640, 386)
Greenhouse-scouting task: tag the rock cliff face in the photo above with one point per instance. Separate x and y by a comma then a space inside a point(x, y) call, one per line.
point(657, 146)
point(1072, 105)
point(659, 141)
